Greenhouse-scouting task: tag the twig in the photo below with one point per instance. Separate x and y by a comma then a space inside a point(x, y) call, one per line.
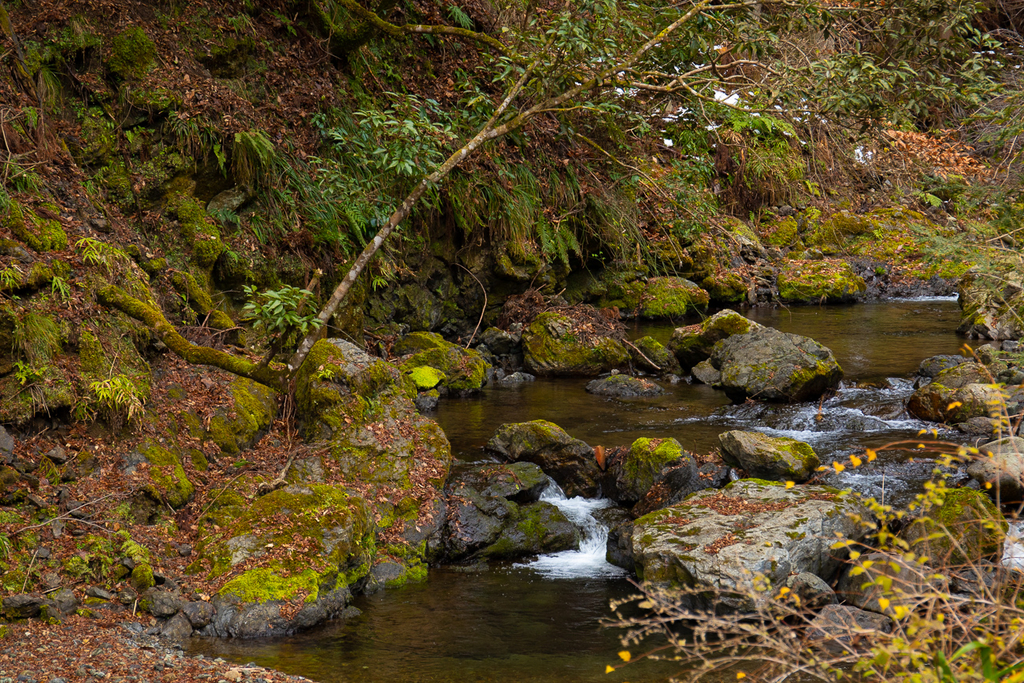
point(633, 346)
point(226, 486)
point(66, 515)
point(483, 309)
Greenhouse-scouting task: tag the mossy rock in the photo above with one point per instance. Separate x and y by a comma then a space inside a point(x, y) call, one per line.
point(778, 458)
point(239, 427)
point(465, 370)
point(672, 297)
point(782, 233)
point(169, 486)
point(321, 541)
point(426, 377)
point(415, 342)
point(693, 344)
point(651, 355)
point(726, 288)
point(198, 230)
point(552, 347)
point(53, 389)
point(39, 233)
point(200, 301)
point(622, 287)
point(966, 528)
point(643, 465)
point(132, 54)
point(817, 282)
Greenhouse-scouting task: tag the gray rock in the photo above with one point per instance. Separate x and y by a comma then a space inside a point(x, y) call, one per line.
point(426, 401)
point(65, 600)
point(6, 445)
point(619, 549)
point(237, 619)
point(706, 373)
point(630, 476)
point(569, 461)
point(624, 386)
point(231, 199)
point(989, 311)
point(97, 592)
point(199, 613)
point(161, 603)
point(499, 342)
point(813, 592)
point(769, 365)
point(382, 575)
point(693, 344)
point(516, 378)
point(177, 628)
point(931, 367)
point(29, 607)
point(553, 346)
point(769, 457)
point(980, 426)
point(650, 355)
point(839, 629)
point(716, 542)
point(494, 513)
point(1003, 467)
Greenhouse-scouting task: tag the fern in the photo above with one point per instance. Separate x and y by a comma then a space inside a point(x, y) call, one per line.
point(459, 16)
point(253, 157)
point(118, 400)
point(37, 336)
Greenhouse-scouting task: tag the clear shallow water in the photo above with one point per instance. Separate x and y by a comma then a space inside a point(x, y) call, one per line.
point(539, 621)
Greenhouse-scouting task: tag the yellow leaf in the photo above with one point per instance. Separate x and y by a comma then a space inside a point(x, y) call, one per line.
point(790, 484)
point(645, 604)
point(855, 461)
point(625, 656)
point(609, 669)
point(854, 554)
point(740, 675)
point(954, 404)
point(783, 591)
point(988, 484)
point(883, 603)
point(838, 466)
point(900, 611)
point(871, 455)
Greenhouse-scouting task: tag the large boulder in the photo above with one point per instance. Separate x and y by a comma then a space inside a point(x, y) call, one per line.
point(672, 297)
point(716, 543)
point(1000, 468)
point(305, 544)
point(840, 629)
point(494, 513)
point(965, 528)
point(962, 392)
point(569, 461)
point(553, 345)
point(650, 355)
point(817, 282)
point(877, 581)
point(693, 344)
point(770, 365)
point(769, 457)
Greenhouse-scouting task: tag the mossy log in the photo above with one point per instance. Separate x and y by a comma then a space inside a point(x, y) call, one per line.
point(115, 297)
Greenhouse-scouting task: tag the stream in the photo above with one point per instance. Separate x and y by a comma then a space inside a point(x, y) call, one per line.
point(539, 620)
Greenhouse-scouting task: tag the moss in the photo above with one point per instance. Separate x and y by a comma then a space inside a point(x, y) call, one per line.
point(783, 233)
point(645, 461)
point(819, 281)
point(132, 53)
point(463, 370)
point(170, 484)
point(426, 377)
point(142, 577)
point(200, 301)
point(262, 585)
point(255, 407)
point(551, 347)
point(693, 344)
point(40, 234)
point(725, 287)
point(672, 297)
point(199, 232)
point(966, 527)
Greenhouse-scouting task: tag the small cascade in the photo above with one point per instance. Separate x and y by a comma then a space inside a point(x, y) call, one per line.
point(589, 560)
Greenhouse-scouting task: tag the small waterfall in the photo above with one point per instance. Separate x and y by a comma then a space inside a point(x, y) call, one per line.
point(589, 560)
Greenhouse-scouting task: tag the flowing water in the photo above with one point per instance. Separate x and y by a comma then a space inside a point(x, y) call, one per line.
point(539, 620)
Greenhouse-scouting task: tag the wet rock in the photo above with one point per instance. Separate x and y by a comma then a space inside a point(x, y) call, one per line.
point(494, 513)
point(6, 446)
point(1001, 464)
point(552, 346)
point(964, 529)
point(501, 343)
point(706, 373)
point(769, 365)
point(931, 367)
point(981, 426)
point(568, 461)
point(515, 379)
point(813, 592)
point(385, 575)
point(694, 343)
point(778, 458)
point(838, 629)
point(240, 619)
point(624, 386)
point(629, 477)
point(719, 540)
point(426, 401)
point(619, 549)
point(177, 628)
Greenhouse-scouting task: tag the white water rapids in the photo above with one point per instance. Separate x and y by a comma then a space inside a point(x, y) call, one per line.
point(589, 560)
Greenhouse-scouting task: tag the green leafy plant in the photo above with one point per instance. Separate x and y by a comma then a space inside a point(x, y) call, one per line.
point(278, 311)
point(253, 157)
point(37, 337)
point(118, 400)
point(97, 253)
point(59, 287)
